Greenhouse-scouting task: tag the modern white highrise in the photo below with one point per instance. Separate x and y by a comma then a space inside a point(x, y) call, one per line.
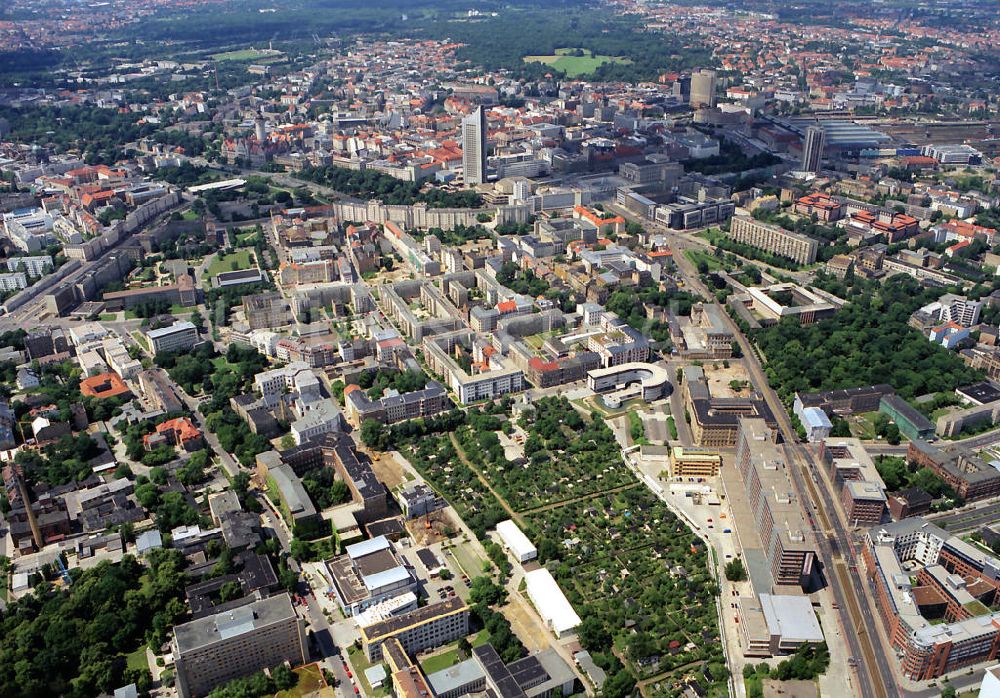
point(474, 147)
point(703, 88)
point(812, 149)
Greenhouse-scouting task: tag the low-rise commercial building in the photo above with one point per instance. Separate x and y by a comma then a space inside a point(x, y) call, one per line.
point(550, 602)
point(911, 423)
point(694, 462)
point(369, 573)
point(516, 542)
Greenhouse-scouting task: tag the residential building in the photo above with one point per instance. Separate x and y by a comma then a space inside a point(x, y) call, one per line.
point(393, 408)
point(180, 431)
point(491, 374)
point(14, 281)
point(213, 650)
point(618, 343)
point(266, 310)
point(337, 452)
point(933, 592)
point(826, 208)
point(417, 499)
point(771, 238)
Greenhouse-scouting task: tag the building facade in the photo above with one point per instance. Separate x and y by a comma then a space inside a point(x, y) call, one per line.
point(771, 238)
point(213, 650)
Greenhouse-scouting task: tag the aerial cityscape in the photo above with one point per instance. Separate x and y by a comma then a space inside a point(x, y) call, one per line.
point(506, 349)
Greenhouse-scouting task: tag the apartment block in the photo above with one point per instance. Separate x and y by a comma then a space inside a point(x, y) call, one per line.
point(265, 310)
point(213, 650)
point(490, 375)
point(798, 248)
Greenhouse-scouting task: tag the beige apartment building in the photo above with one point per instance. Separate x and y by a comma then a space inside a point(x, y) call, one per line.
point(798, 248)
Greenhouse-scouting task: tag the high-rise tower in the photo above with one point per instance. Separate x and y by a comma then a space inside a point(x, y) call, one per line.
point(474, 147)
point(812, 149)
point(703, 88)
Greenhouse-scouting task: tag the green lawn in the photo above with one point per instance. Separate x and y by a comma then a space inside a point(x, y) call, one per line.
point(440, 661)
point(672, 426)
point(177, 309)
point(360, 663)
point(190, 215)
point(240, 259)
point(866, 422)
point(310, 681)
point(470, 563)
point(712, 234)
point(575, 66)
point(481, 638)
point(109, 317)
point(696, 256)
point(247, 54)
point(595, 403)
point(137, 659)
point(141, 339)
point(637, 430)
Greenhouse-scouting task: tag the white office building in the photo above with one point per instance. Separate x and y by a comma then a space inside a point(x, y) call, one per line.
point(177, 337)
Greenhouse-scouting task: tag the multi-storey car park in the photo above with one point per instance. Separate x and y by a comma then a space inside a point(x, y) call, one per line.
point(936, 595)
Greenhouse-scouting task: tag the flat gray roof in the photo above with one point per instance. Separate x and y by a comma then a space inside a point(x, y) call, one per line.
point(239, 621)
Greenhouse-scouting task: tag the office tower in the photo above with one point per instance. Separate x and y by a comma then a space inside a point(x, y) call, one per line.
point(474, 147)
point(703, 88)
point(812, 149)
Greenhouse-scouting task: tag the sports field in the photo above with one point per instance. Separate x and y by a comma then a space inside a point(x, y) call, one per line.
point(575, 66)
